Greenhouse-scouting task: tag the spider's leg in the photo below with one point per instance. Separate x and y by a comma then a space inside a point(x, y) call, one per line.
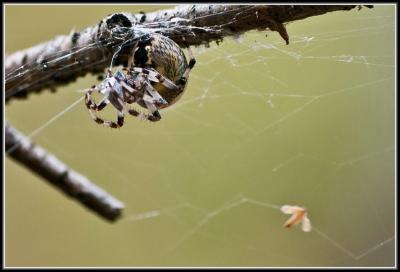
point(117, 102)
point(120, 120)
point(109, 73)
point(156, 97)
point(154, 118)
point(92, 107)
point(111, 124)
point(103, 103)
point(182, 81)
point(129, 98)
point(192, 60)
point(127, 87)
point(133, 112)
point(90, 104)
point(155, 76)
point(155, 114)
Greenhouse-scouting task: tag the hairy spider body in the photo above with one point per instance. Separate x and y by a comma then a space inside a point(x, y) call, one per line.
point(156, 78)
point(166, 57)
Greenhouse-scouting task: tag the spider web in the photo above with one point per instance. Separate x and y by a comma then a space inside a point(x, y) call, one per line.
point(262, 124)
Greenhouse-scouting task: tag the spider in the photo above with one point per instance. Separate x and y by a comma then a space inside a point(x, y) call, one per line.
point(156, 78)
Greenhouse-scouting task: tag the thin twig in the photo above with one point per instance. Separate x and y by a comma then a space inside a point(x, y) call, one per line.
point(61, 176)
point(65, 58)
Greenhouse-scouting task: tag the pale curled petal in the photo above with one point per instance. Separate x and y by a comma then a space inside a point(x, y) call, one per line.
point(288, 209)
point(306, 224)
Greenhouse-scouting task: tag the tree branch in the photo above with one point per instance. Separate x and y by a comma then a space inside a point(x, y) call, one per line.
point(58, 174)
point(64, 59)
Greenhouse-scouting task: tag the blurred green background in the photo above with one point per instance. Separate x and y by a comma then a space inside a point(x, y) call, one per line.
point(262, 123)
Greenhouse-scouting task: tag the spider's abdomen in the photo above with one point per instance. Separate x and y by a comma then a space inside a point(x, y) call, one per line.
point(166, 57)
